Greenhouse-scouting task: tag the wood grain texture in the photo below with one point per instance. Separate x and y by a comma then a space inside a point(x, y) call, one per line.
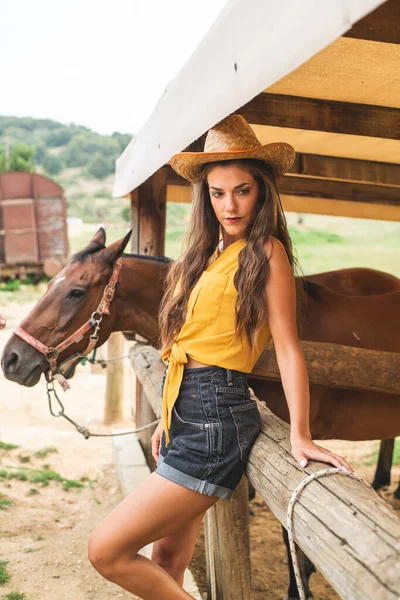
point(345, 528)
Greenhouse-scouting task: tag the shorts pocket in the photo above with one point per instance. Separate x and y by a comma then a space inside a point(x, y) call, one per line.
point(187, 423)
point(206, 297)
point(230, 390)
point(232, 396)
point(187, 410)
point(197, 443)
point(247, 420)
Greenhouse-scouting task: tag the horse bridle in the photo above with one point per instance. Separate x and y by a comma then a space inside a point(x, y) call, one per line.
point(57, 371)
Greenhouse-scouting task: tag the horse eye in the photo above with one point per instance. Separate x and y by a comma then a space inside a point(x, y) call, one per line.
point(76, 294)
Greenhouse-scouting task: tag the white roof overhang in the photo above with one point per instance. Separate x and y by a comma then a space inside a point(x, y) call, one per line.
point(251, 45)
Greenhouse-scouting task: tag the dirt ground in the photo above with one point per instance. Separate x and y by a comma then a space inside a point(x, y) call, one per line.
point(44, 535)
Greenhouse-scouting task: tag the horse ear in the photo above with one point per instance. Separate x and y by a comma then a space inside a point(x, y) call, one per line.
point(97, 242)
point(100, 236)
point(114, 250)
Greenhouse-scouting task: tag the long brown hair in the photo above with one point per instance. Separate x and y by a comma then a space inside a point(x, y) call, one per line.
point(200, 241)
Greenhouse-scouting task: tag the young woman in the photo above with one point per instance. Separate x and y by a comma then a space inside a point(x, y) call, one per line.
point(226, 295)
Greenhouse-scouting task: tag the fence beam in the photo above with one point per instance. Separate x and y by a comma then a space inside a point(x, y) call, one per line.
point(349, 532)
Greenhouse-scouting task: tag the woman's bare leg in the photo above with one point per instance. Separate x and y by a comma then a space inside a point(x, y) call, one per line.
point(155, 509)
point(174, 551)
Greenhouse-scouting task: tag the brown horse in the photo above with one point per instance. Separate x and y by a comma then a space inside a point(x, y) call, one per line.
point(355, 307)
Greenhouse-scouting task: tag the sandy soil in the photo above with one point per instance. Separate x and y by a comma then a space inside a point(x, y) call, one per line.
point(44, 536)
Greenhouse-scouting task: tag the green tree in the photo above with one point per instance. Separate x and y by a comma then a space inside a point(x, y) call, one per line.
point(126, 214)
point(21, 158)
point(73, 155)
point(3, 161)
point(40, 154)
point(58, 137)
point(100, 167)
point(53, 165)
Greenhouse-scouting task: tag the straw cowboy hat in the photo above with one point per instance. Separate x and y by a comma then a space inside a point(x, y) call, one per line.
point(233, 138)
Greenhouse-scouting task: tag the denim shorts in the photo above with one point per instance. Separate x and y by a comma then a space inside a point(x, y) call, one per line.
point(214, 425)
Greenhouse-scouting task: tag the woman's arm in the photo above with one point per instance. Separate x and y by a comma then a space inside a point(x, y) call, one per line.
point(280, 294)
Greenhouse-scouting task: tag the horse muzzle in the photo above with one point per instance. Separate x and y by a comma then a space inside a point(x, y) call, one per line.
point(22, 363)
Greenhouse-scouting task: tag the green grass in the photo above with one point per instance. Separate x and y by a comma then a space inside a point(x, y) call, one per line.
point(22, 296)
point(4, 575)
point(172, 240)
point(24, 458)
point(5, 502)
point(42, 476)
point(80, 239)
point(45, 451)
point(324, 243)
point(314, 238)
point(5, 446)
point(372, 458)
point(15, 596)
point(17, 284)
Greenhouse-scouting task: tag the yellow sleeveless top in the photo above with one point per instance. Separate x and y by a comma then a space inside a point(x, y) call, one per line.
point(208, 332)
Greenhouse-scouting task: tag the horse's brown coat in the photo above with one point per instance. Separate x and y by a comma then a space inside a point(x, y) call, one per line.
point(355, 307)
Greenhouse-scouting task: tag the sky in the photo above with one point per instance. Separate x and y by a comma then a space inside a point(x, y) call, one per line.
point(98, 63)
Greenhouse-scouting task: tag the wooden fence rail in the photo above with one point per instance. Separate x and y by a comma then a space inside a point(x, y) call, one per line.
point(346, 529)
point(335, 365)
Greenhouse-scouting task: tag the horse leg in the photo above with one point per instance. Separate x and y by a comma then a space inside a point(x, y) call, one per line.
point(396, 493)
point(382, 473)
point(252, 491)
point(306, 570)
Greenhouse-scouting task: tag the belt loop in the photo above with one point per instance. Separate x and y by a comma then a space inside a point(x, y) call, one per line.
point(229, 376)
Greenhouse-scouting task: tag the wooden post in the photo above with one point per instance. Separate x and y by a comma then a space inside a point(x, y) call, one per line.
point(115, 379)
point(148, 219)
point(227, 541)
point(349, 532)
point(148, 215)
point(100, 354)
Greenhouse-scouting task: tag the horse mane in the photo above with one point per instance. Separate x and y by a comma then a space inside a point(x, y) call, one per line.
point(164, 259)
point(311, 289)
point(85, 254)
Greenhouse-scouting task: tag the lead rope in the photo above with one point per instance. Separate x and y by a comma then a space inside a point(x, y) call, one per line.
point(81, 428)
point(101, 361)
point(294, 497)
point(289, 520)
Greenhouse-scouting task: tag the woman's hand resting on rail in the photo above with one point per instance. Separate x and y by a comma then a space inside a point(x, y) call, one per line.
point(303, 448)
point(156, 441)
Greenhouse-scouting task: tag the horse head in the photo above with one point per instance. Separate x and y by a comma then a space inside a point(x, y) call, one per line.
point(65, 323)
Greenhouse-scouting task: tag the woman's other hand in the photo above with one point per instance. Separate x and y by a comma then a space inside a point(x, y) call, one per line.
point(303, 448)
point(156, 441)
point(3, 322)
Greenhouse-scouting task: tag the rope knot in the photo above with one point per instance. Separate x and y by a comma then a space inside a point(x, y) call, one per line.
point(84, 431)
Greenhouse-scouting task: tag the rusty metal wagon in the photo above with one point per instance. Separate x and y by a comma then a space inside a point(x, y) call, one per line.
point(33, 226)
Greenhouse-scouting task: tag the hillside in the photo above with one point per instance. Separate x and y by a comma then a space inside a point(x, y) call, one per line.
point(83, 161)
point(79, 159)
